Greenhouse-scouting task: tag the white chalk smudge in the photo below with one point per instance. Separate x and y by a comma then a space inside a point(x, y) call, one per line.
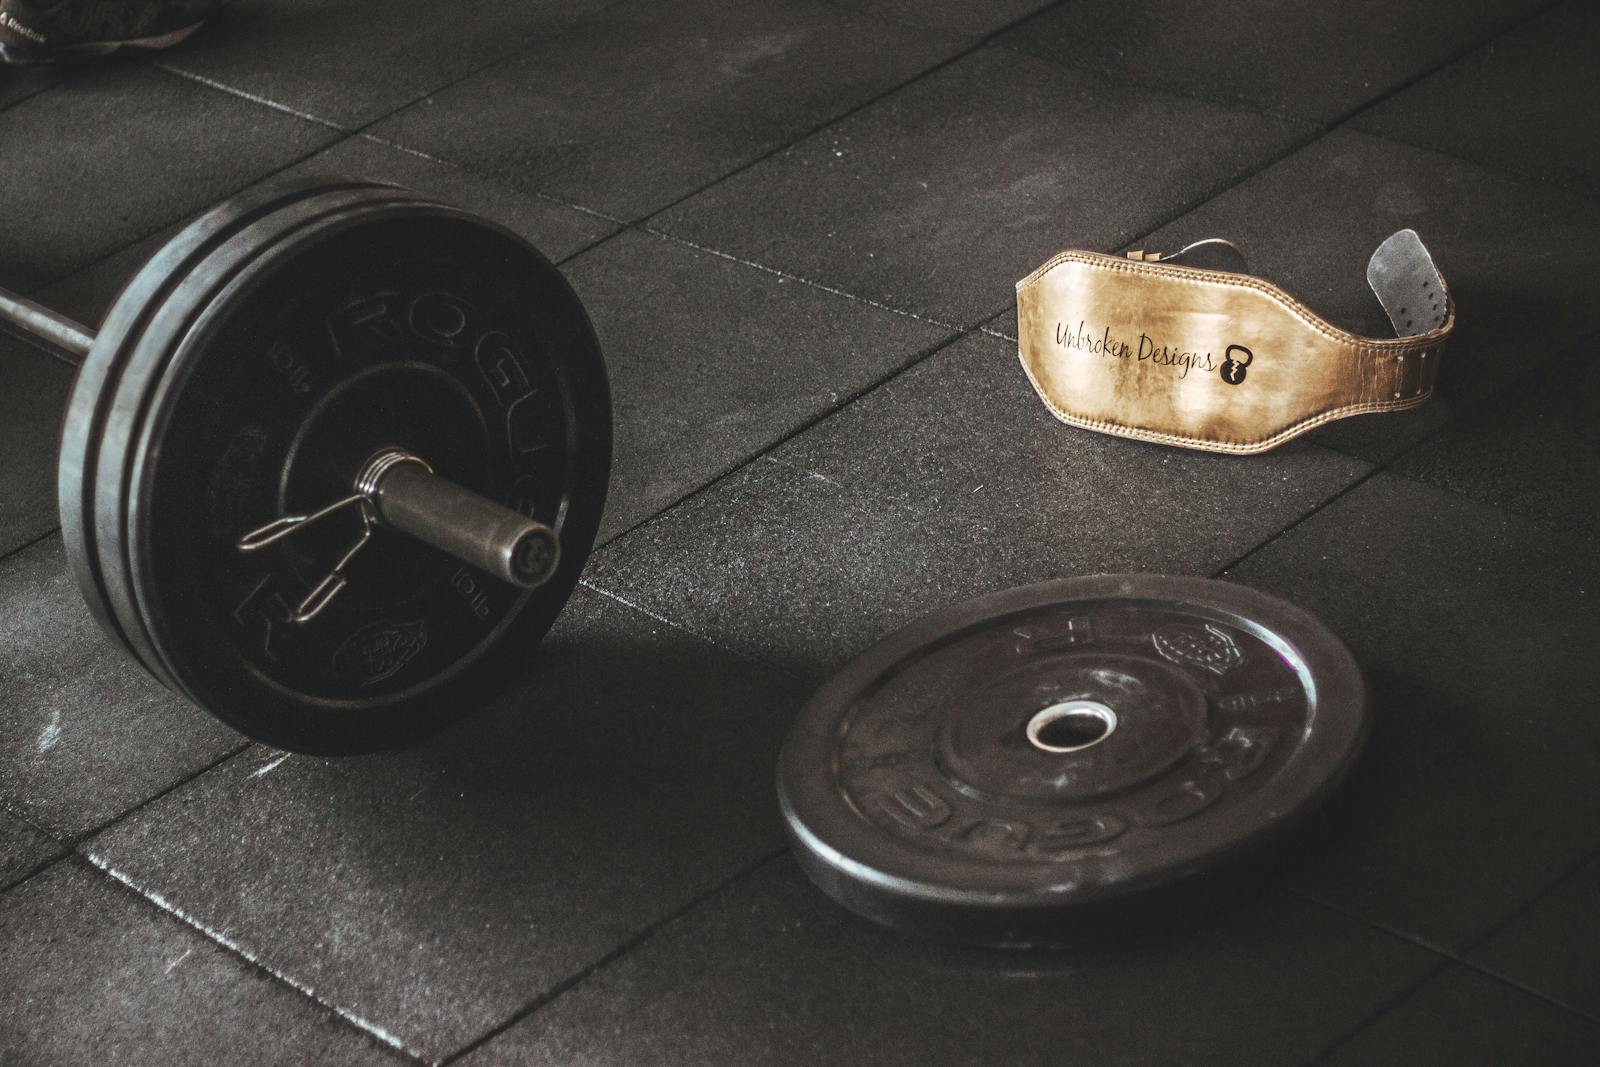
point(51, 733)
point(270, 766)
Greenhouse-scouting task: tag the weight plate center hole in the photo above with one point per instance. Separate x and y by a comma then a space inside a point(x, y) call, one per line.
point(1071, 726)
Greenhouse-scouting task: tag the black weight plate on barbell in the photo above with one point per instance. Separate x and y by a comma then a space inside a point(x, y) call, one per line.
point(357, 320)
point(1015, 770)
point(186, 298)
point(95, 385)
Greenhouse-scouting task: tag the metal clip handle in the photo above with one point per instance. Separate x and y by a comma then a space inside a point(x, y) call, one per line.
point(400, 490)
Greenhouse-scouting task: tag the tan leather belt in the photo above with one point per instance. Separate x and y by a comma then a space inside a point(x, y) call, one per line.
point(1140, 346)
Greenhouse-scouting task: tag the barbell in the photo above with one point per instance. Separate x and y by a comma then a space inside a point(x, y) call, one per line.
point(334, 460)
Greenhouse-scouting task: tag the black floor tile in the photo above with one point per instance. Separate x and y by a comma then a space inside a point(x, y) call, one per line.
point(1312, 61)
point(771, 972)
point(645, 103)
point(24, 848)
point(555, 229)
point(352, 61)
point(712, 360)
point(951, 480)
point(1003, 325)
point(1460, 1017)
point(953, 16)
point(1475, 628)
point(937, 198)
point(84, 733)
point(19, 83)
point(1535, 452)
point(1311, 222)
point(1550, 947)
point(33, 394)
point(120, 152)
point(435, 891)
point(91, 974)
point(1526, 102)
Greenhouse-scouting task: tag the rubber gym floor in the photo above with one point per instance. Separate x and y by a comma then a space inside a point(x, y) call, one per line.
point(796, 225)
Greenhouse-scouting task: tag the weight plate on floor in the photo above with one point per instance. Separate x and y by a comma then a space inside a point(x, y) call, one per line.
point(317, 334)
point(1012, 770)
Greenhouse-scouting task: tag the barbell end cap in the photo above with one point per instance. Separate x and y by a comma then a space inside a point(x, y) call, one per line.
point(534, 557)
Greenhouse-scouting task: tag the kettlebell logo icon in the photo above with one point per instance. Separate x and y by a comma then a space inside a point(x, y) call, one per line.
point(1233, 367)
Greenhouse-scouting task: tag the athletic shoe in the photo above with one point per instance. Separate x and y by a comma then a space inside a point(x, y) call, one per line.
point(50, 31)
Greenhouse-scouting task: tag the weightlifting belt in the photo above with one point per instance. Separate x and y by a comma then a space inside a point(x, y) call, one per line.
point(1141, 346)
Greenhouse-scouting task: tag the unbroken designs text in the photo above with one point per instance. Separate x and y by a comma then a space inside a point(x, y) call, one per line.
point(1145, 349)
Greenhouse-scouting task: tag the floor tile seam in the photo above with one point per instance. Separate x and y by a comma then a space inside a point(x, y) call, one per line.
point(753, 659)
point(974, 45)
point(1463, 957)
point(1555, 529)
point(1445, 961)
point(61, 847)
point(1395, 932)
point(1310, 133)
point(1316, 509)
point(73, 844)
point(351, 135)
point(811, 283)
point(1525, 382)
point(816, 130)
point(38, 868)
point(253, 98)
point(1193, 96)
point(168, 63)
point(23, 99)
point(641, 226)
point(1327, 125)
point(361, 131)
point(1457, 55)
point(1533, 901)
point(1400, 996)
point(1520, 986)
point(151, 898)
point(20, 549)
point(1562, 180)
point(495, 179)
point(1489, 404)
point(9, 808)
point(34, 291)
point(898, 509)
point(908, 24)
point(349, 132)
point(1441, 959)
point(614, 955)
point(1384, 468)
point(1388, 465)
point(814, 419)
point(80, 841)
point(655, 211)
